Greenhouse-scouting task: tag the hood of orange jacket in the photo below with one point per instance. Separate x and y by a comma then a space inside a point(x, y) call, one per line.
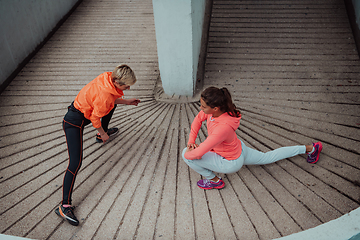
point(97, 98)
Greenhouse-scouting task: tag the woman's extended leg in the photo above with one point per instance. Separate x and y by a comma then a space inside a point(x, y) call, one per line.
point(254, 157)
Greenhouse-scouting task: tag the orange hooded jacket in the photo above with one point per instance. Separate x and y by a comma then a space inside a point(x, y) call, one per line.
point(97, 98)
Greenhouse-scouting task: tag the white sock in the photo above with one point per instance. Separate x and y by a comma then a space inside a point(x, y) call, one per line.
point(311, 151)
point(217, 180)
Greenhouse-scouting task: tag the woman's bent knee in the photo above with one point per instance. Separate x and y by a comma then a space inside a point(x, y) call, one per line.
point(183, 153)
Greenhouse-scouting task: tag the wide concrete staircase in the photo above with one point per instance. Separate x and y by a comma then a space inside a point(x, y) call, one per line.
point(293, 70)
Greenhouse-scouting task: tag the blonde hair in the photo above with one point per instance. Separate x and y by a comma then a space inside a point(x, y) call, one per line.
point(123, 75)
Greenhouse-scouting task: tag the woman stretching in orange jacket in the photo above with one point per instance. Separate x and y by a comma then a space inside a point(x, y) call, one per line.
point(94, 104)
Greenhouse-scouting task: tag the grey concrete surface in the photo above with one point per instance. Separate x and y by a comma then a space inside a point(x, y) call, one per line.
point(292, 69)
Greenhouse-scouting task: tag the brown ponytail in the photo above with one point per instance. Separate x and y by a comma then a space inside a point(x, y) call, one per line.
point(215, 97)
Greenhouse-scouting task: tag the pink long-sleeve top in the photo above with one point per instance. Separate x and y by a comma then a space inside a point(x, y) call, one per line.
point(221, 138)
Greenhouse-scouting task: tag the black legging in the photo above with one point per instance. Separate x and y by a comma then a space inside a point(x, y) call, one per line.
point(73, 125)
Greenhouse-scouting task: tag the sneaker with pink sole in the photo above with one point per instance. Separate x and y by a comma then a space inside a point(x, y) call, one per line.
point(208, 184)
point(314, 157)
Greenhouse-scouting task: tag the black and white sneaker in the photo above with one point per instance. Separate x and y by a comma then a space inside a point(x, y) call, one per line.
point(110, 132)
point(67, 213)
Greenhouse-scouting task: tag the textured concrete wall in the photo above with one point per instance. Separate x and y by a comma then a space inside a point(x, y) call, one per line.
point(24, 24)
point(178, 25)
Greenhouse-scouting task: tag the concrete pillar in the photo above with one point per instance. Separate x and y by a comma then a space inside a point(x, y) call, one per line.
point(178, 25)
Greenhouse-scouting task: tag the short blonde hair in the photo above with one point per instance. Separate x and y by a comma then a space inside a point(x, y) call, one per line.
point(123, 75)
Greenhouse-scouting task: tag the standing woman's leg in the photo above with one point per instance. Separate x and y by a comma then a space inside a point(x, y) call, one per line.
point(73, 125)
point(74, 141)
point(106, 119)
point(105, 125)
